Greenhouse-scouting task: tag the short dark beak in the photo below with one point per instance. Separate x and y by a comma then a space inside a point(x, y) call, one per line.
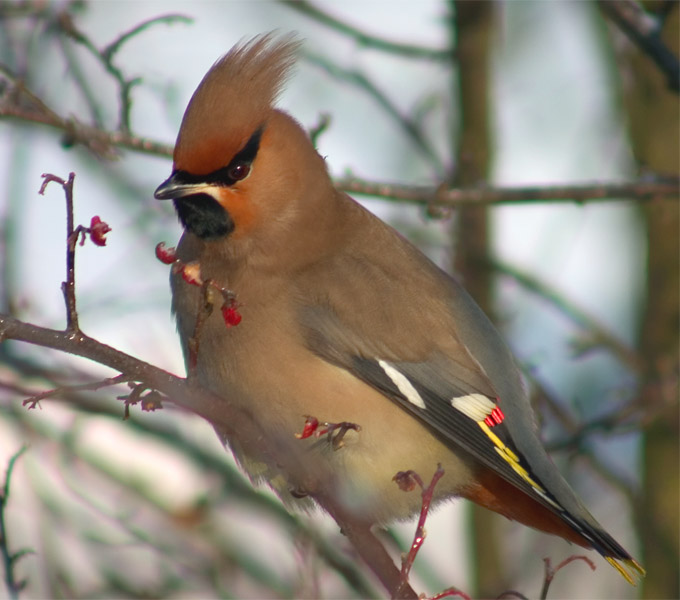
point(171, 189)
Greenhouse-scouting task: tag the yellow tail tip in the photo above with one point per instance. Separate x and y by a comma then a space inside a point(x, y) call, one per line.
point(630, 569)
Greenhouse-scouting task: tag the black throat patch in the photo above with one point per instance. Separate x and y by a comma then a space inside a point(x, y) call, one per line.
point(203, 216)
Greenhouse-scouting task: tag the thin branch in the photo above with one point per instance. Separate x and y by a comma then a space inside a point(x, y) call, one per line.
point(33, 400)
point(550, 572)
point(68, 287)
point(365, 39)
point(9, 559)
point(234, 483)
point(407, 480)
point(642, 189)
point(317, 130)
point(598, 334)
point(624, 486)
point(108, 52)
point(367, 545)
point(105, 57)
point(410, 127)
point(81, 81)
point(644, 31)
point(18, 102)
point(283, 454)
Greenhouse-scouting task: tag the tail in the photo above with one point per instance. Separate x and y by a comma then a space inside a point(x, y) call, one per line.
point(546, 514)
point(630, 569)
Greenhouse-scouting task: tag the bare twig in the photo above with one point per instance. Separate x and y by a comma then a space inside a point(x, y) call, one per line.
point(234, 484)
point(10, 558)
point(359, 533)
point(108, 52)
point(550, 572)
point(410, 127)
point(280, 453)
point(212, 293)
point(644, 31)
point(598, 335)
point(18, 102)
point(657, 188)
point(407, 480)
point(34, 399)
point(365, 39)
point(205, 309)
point(105, 57)
point(318, 129)
point(68, 287)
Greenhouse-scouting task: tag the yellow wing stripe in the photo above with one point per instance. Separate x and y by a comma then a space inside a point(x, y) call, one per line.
point(509, 456)
point(628, 568)
point(637, 571)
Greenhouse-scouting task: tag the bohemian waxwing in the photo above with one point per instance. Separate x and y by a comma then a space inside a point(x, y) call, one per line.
point(346, 321)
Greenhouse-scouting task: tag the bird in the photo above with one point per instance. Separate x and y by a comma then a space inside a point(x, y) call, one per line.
point(341, 320)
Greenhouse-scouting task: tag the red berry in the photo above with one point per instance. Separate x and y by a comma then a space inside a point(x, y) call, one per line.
point(310, 426)
point(165, 255)
point(191, 273)
point(98, 231)
point(230, 314)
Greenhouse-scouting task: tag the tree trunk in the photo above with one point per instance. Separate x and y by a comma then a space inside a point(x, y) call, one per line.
point(654, 117)
point(472, 28)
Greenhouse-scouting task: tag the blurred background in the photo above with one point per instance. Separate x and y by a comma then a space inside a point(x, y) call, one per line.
point(521, 93)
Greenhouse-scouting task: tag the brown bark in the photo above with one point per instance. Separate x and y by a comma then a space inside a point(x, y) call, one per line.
point(654, 117)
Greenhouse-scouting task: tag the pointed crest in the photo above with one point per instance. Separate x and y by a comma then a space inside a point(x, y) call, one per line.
point(232, 101)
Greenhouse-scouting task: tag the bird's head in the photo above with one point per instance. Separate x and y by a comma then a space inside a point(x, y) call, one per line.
point(239, 163)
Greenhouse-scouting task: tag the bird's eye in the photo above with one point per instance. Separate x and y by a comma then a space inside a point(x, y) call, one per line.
point(239, 171)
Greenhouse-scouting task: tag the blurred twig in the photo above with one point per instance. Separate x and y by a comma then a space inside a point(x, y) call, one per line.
point(644, 31)
point(408, 125)
point(33, 399)
point(365, 39)
point(551, 571)
point(9, 558)
point(643, 190)
point(105, 56)
point(597, 334)
point(20, 103)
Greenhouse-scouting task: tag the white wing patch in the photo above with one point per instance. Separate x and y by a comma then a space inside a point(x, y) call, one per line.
point(476, 406)
point(403, 384)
